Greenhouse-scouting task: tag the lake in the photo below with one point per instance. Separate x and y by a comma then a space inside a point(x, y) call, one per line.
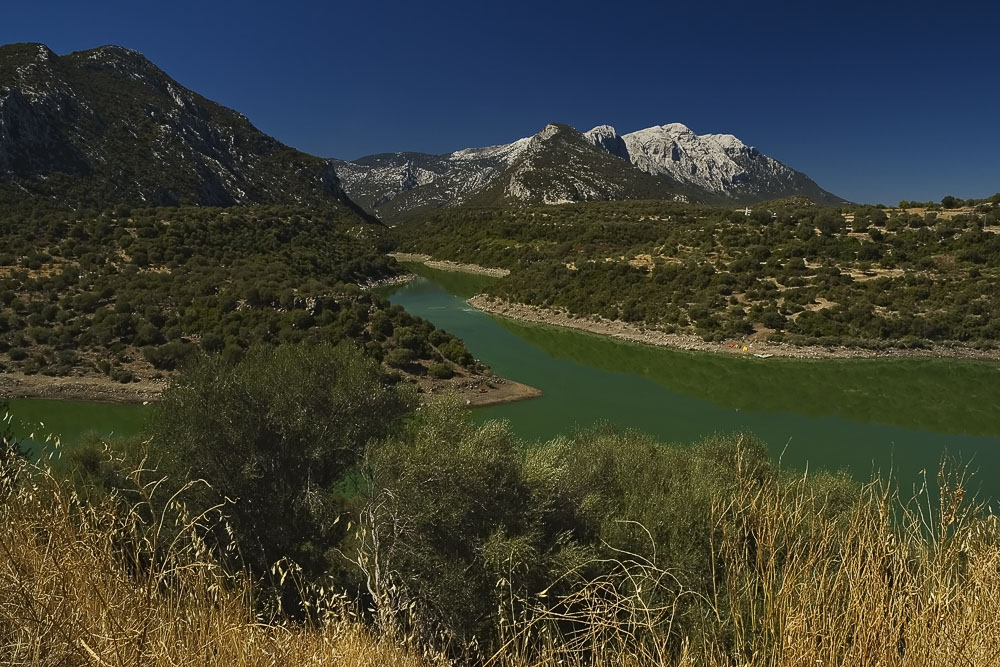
point(36, 420)
point(862, 415)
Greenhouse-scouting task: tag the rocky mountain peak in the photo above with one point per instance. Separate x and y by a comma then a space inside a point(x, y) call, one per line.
point(606, 138)
point(550, 131)
point(26, 50)
point(728, 142)
point(106, 126)
point(121, 61)
point(115, 52)
point(560, 164)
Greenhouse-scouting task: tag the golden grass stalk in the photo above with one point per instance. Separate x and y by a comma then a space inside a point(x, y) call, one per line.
point(99, 584)
point(802, 577)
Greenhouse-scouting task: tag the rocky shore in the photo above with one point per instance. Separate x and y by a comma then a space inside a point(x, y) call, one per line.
point(473, 390)
point(478, 391)
point(748, 346)
point(446, 265)
point(96, 389)
point(394, 280)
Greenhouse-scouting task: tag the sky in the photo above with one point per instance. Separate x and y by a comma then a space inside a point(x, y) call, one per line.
point(875, 101)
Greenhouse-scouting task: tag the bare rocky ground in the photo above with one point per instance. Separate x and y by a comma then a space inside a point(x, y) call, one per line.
point(755, 344)
point(473, 389)
point(446, 265)
point(477, 390)
point(99, 389)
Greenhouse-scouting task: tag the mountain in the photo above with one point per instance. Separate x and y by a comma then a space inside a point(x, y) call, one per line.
point(106, 126)
point(393, 185)
point(103, 127)
point(557, 165)
point(560, 164)
point(718, 165)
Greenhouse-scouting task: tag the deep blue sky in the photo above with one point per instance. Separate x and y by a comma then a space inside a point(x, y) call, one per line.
point(876, 101)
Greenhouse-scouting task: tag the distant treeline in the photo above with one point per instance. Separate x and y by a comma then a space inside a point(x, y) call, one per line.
point(951, 202)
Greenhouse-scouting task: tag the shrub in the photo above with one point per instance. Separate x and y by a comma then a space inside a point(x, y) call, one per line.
point(285, 424)
point(441, 371)
point(400, 357)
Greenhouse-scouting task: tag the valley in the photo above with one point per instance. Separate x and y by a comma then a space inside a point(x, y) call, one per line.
point(651, 398)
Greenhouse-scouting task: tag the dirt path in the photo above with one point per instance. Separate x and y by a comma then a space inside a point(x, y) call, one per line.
point(743, 347)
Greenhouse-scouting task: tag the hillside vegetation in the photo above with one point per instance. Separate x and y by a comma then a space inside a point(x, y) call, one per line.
point(420, 537)
point(132, 293)
point(786, 271)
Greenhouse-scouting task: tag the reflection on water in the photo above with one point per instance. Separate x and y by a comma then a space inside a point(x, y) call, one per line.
point(859, 415)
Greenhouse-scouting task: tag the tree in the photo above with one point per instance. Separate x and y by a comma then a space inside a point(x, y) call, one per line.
point(446, 515)
point(274, 433)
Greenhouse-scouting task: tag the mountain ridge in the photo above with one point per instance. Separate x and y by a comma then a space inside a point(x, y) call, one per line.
point(106, 126)
point(662, 162)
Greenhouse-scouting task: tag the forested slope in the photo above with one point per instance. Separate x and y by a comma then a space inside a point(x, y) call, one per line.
point(786, 270)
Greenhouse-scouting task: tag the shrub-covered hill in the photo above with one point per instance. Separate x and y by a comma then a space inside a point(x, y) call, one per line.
point(132, 293)
point(784, 270)
point(105, 126)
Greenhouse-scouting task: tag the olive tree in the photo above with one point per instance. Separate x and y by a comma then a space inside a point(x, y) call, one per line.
point(274, 434)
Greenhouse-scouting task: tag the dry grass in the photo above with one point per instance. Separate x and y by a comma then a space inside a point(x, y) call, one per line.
point(881, 582)
point(801, 580)
point(93, 584)
point(889, 583)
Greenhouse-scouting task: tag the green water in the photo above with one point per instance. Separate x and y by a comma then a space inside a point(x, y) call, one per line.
point(37, 423)
point(856, 414)
point(859, 415)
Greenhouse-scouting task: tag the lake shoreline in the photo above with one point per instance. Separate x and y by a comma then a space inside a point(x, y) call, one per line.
point(743, 347)
point(79, 388)
point(632, 333)
point(479, 391)
point(400, 279)
point(474, 391)
point(446, 265)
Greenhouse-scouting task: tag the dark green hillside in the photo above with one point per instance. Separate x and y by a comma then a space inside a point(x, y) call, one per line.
point(861, 276)
point(103, 127)
point(133, 293)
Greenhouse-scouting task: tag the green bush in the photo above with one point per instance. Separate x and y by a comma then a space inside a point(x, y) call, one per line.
point(273, 434)
point(454, 350)
point(441, 371)
point(400, 357)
